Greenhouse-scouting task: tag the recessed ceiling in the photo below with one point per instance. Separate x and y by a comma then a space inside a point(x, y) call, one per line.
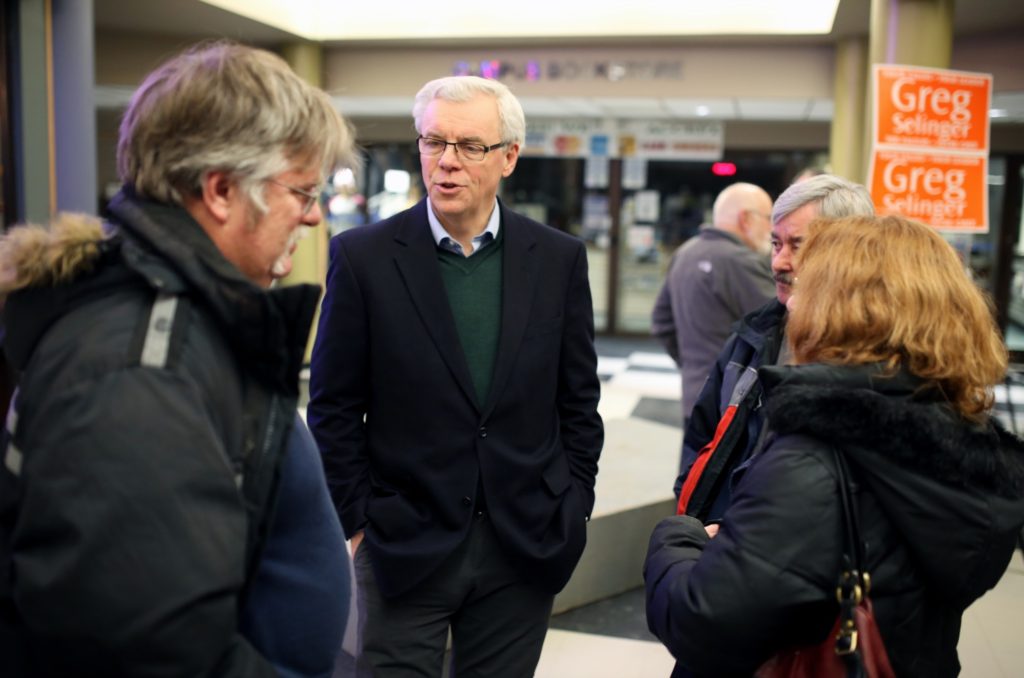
point(197, 19)
point(405, 19)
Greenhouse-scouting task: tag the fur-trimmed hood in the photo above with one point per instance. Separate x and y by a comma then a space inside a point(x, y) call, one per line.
point(32, 256)
point(46, 272)
point(952, 487)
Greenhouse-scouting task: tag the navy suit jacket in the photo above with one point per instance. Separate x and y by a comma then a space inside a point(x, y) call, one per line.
point(404, 442)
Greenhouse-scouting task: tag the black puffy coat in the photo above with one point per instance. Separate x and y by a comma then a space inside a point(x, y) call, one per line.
point(138, 480)
point(732, 380)
point(941, 502)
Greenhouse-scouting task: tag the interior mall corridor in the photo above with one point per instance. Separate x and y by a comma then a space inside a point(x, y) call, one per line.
point(599, 629)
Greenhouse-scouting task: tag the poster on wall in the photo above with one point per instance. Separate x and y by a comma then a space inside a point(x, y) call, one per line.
point(945, 191)
point(931, 108)
point(647, 206)
point(596, 172)
point(930, 144)
point(671, 139)
point(634, 173)
point(649, 139)
point(567, 138)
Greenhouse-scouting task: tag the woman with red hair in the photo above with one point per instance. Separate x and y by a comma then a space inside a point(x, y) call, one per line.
point(896, 356)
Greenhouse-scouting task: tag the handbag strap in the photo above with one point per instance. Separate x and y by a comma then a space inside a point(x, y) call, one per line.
point(854, 580)
point(853, 543)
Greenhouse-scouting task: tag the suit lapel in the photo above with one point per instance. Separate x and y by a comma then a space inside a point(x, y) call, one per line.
point(416, 259)
point(519, 273)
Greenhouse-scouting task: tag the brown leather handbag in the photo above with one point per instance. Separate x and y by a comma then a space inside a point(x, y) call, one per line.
point(854, 647)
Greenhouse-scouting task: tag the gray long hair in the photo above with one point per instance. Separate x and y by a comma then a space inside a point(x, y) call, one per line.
point(228, 107)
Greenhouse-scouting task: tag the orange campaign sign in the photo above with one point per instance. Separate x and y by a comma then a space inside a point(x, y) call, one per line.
point(925, 107)
point(945, 191)
point(929, 159)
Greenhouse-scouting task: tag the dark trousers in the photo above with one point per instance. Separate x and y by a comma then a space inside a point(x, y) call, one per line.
point(498, 622)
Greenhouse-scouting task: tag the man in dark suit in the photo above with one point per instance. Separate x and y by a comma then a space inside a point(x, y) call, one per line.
point(454, 398)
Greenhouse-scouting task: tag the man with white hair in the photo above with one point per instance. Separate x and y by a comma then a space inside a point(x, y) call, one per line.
point(726, 425)
point(715, 279)
point(454, 397)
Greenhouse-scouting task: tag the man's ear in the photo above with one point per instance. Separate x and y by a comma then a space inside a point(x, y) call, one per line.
point(745, 227)
point(218, 192)
point(511, 158)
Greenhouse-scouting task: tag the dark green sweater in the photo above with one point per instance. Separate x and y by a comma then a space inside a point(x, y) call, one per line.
point(474, 294)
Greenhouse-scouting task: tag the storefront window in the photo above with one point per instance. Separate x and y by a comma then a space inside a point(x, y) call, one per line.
point(1006, 178)
point(633, 214)
point(664, 204)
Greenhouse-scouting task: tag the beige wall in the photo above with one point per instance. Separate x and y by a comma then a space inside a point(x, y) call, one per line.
point(1001, 55)
point(726, 70)
point(707, 71)
point(124, 58)
point(718, 71)
point(751, 135)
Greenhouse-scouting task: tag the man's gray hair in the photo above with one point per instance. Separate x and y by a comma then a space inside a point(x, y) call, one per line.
point(226, 107)
point(835, 197)
point(461, 88)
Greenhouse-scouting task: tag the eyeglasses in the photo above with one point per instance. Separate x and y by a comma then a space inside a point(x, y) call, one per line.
point(465, 149)
point(310, 198)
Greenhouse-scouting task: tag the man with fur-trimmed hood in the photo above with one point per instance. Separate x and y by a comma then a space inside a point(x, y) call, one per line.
point(159, 379)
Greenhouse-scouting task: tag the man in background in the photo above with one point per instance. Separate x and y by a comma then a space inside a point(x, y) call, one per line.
point(454, 396)
point(728, 409)
point(714, 280)
point(145, 448)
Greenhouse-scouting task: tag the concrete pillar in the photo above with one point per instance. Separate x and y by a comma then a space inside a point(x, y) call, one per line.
point(911, 32)
point(31, 92)
point(309, 263)
point(74, 107)
point(847, 135)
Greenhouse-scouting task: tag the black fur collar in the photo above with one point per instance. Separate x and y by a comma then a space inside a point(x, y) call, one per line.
point(865, 413)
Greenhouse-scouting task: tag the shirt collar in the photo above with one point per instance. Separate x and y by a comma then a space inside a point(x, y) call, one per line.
point(444, 240)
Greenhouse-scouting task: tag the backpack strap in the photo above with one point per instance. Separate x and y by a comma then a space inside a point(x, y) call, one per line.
point(161, 334)
point(13, 457)
point(720, 456)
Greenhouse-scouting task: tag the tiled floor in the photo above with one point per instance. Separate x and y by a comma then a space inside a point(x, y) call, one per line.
point(609, 639)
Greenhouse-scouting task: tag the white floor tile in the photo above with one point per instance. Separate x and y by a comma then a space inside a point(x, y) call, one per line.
point(616, 403)
point(1017, 563)
point(606, 365)
point(976, 655)
point(659, 360)
point(638, 465)
point(568, 654)
point(666, 385)
point(998, 617)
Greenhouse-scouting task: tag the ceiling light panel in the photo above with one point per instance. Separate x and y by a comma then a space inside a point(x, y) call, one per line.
point(712, 109)
point(403, 19)
point(772, 109)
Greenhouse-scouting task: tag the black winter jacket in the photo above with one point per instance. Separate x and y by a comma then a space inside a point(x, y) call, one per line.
point(755, 341)
point(941, 502)
point(146, 443)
